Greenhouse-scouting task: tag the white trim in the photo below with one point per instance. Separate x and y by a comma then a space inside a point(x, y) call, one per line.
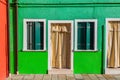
point(95, 39)
point(49, 44)
point(17, 72)
point(10, 75)
point(87, 50)
point(34, 50)
point(25, 33)
point(107, 70)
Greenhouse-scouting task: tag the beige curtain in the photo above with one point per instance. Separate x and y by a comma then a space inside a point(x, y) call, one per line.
point(114, 45)
point(59, 46)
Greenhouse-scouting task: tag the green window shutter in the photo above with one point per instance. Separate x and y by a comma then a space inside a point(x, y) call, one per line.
point(88, 27)
point(38, 36)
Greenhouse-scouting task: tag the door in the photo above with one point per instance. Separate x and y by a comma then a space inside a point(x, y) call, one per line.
point(113, 47)
point(60, 46)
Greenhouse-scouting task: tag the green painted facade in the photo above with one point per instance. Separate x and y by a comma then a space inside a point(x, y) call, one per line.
point(84, 62)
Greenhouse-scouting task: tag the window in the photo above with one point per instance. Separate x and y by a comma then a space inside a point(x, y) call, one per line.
point(34, 34)
point(86, 35)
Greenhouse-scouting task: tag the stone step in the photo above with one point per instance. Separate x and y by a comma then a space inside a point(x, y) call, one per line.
point(112, 71)
point(60, 71)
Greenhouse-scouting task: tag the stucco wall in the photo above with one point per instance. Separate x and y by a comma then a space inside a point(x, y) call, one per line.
point(3, 41)
point(84, 62)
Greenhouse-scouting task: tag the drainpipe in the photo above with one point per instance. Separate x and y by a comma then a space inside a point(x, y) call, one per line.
point(8, 39)
point(16, 36)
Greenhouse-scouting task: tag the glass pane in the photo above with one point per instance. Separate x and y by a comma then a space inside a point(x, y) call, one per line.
point(92, 35)
point(28, 35)
point(41, 35)
point(35, 35)
point(32, 36)
point(81, 41)
point(85, 38)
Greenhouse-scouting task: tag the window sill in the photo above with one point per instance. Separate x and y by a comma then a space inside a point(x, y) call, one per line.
point(86, 50)
point(34, 50)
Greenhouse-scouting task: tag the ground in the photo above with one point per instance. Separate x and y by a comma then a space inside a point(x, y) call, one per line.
point(65, 77)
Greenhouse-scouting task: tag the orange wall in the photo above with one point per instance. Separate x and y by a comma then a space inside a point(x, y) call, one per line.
point(3, 41)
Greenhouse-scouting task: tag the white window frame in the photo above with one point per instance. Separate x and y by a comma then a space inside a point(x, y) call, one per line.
point(25, 33)
point(95, 31)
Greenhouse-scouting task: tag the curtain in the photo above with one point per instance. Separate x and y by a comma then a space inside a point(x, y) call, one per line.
point(114, 45)
point(60, 51)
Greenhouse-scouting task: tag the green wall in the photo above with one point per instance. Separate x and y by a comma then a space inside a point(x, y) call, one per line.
point(33, 62)
point(66, 1)
point(12, 52)
point(84, 62)
point(87, 62)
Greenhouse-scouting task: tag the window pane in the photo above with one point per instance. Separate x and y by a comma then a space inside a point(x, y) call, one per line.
point(30, 35)
point(92, 35)
point(42, 35)
point(85, 38)
point(81, 42)
point(35, 35)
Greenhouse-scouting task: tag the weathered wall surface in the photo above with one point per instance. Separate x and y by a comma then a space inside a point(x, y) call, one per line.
point(84, 62)
point(3, 40)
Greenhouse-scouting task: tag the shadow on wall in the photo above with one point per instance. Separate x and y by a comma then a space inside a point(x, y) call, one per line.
point(14, 42)
point(103, 47)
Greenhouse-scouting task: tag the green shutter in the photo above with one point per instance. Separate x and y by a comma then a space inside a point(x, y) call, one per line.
point(88, 36)
point(37, 35)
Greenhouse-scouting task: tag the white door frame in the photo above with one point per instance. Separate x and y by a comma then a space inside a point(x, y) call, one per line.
point(109, 71)
point(49, 44)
